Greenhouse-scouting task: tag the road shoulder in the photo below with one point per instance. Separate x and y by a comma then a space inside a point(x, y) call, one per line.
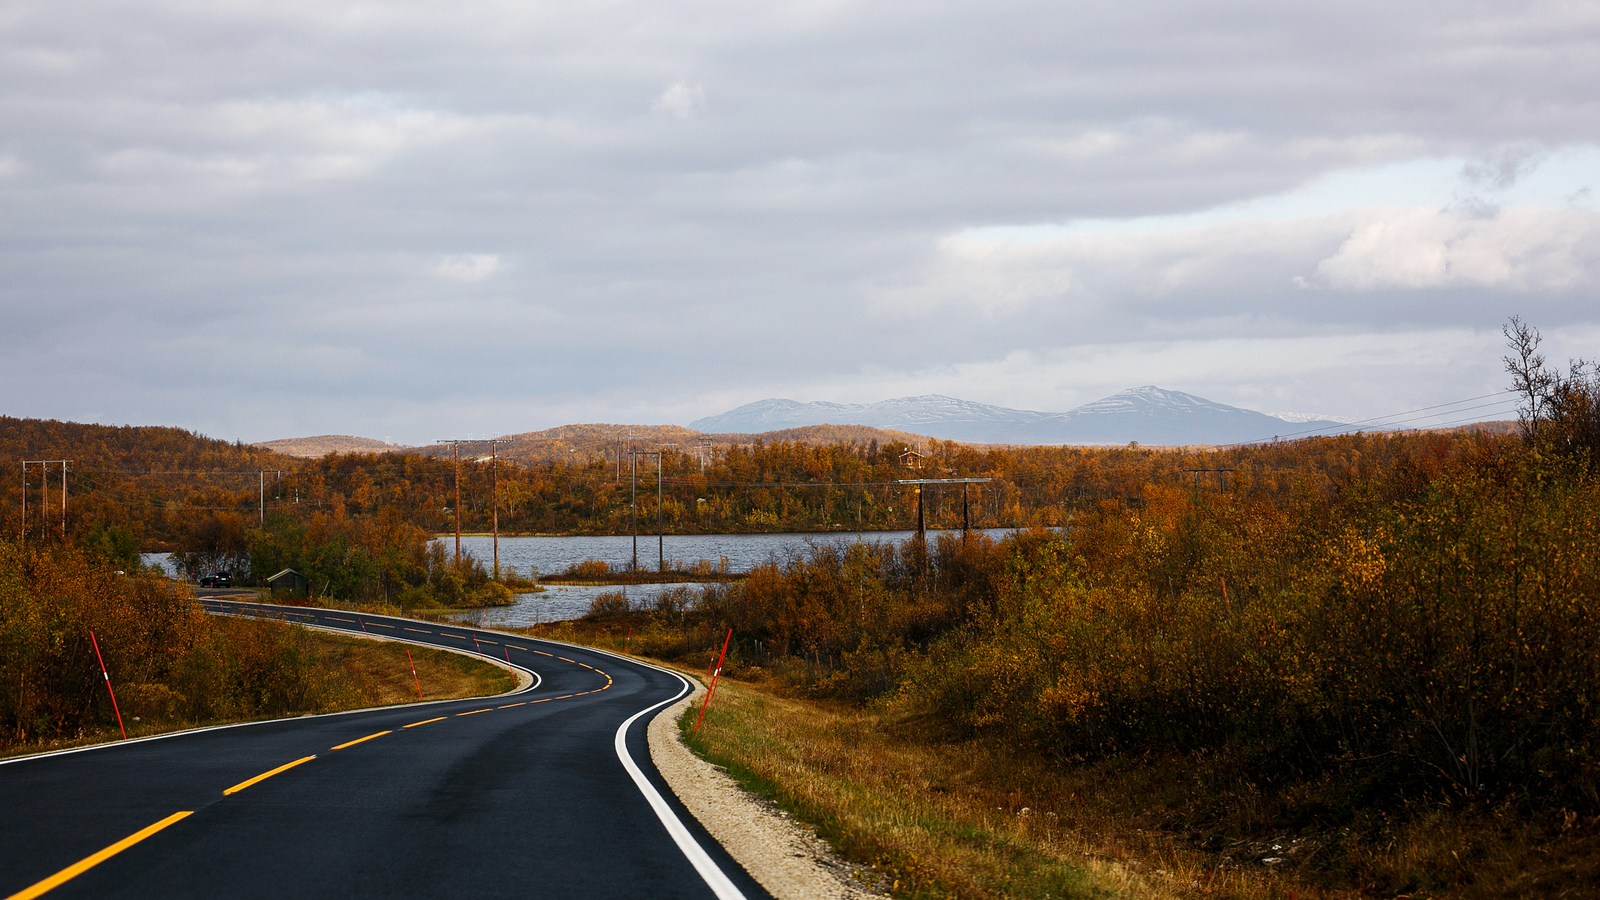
point(787, 859)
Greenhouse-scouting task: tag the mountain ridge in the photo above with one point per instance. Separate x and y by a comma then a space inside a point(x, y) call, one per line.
point(1145, 414)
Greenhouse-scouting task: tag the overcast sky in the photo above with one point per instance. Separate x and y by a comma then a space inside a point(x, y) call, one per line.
point(419, 220)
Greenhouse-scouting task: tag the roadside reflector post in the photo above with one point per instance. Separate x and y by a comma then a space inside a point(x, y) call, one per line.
point(413, 664)
point(628, 642)
point(715, 674)
point(107, 675)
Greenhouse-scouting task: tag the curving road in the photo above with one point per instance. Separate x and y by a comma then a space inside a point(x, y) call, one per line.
point(546, 792)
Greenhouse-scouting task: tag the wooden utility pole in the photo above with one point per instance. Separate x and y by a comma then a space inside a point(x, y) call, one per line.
point(1222, 477)
point(633, 480)
point(661, 541)
point(494, 473)
point(920, 482)
point(44, 497)
point(455, 447)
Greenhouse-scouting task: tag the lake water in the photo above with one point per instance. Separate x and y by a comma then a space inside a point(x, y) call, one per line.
point(550, 555)
point(563, 601)
point(744, 551)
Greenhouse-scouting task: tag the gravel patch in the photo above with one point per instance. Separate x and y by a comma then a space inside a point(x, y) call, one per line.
point(785, 857)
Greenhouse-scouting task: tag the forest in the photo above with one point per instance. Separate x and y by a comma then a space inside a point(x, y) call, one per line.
point(221, 504)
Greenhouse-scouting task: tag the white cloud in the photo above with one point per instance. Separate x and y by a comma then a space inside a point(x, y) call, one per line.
point(1526, 249)
point(468, 266)
point(684, 100)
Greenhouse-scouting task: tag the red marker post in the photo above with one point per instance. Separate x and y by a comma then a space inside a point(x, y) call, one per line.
point(414, 677)
point(715, 674)
point(113, 694)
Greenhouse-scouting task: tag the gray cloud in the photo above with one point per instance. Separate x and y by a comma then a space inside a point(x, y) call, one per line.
point(421, 218)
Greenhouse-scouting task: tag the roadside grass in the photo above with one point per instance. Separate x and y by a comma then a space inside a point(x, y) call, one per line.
point(966, 819)
point(933, 821)
point(356, 673)
point(378, 674)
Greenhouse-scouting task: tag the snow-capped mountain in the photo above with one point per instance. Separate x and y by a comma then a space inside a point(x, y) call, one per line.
point(1149, 415)
point(931, 414)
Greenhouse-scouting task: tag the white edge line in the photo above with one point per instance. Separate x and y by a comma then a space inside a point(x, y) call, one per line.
point(111, 745)
point(697, 856)
point(713, 875)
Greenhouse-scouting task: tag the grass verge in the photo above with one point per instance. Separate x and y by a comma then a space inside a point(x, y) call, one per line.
point(930, 820)
point(357, 673)
point(968, 820)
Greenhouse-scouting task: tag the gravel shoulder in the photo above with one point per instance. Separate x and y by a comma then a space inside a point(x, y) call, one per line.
point(785, 857)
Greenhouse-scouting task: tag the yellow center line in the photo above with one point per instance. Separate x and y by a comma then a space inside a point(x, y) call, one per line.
point(474, 712)
point(545, 700)
point(587, 666)
point(457, 636)
point(419, 631)
point(424, 722)
point(515, 647)
point(379, 625)
point(359, 740)
point(509, 705)
point(265, 775)
point(89, 862)
point(337, 619)
point(564, 659)
point(490, 643)
point(542, 653)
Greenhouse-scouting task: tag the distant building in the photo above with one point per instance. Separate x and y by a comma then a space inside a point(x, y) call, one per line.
point(288, 582)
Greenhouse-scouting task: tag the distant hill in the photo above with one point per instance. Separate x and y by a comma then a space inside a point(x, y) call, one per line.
point(125, 448)
point(324, 444)
point(1148, 415)
point(569, 442)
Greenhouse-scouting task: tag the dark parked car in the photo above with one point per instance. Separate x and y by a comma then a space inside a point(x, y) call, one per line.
point(217, 579)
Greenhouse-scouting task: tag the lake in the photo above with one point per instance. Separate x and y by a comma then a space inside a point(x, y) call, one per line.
point(744, 551)
point(549, 555)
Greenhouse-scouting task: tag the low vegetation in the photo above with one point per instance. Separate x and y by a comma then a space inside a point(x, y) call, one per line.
point(173, 665)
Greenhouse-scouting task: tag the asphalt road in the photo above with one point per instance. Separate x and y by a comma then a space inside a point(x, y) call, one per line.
point(526, 794)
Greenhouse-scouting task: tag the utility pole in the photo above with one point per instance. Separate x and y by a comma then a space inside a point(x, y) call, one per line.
point(920, 482)
point(494, 471)
point(661, 540)
point(261, 494)
point(633, 491)
point(44, 497)
point(455, 447)
point(1222, 478)
point(633, 470)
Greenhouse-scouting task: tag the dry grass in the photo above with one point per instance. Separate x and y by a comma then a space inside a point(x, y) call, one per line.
point(360, 673)
point(946, 819)
point(378, 674)
point(951, 821)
